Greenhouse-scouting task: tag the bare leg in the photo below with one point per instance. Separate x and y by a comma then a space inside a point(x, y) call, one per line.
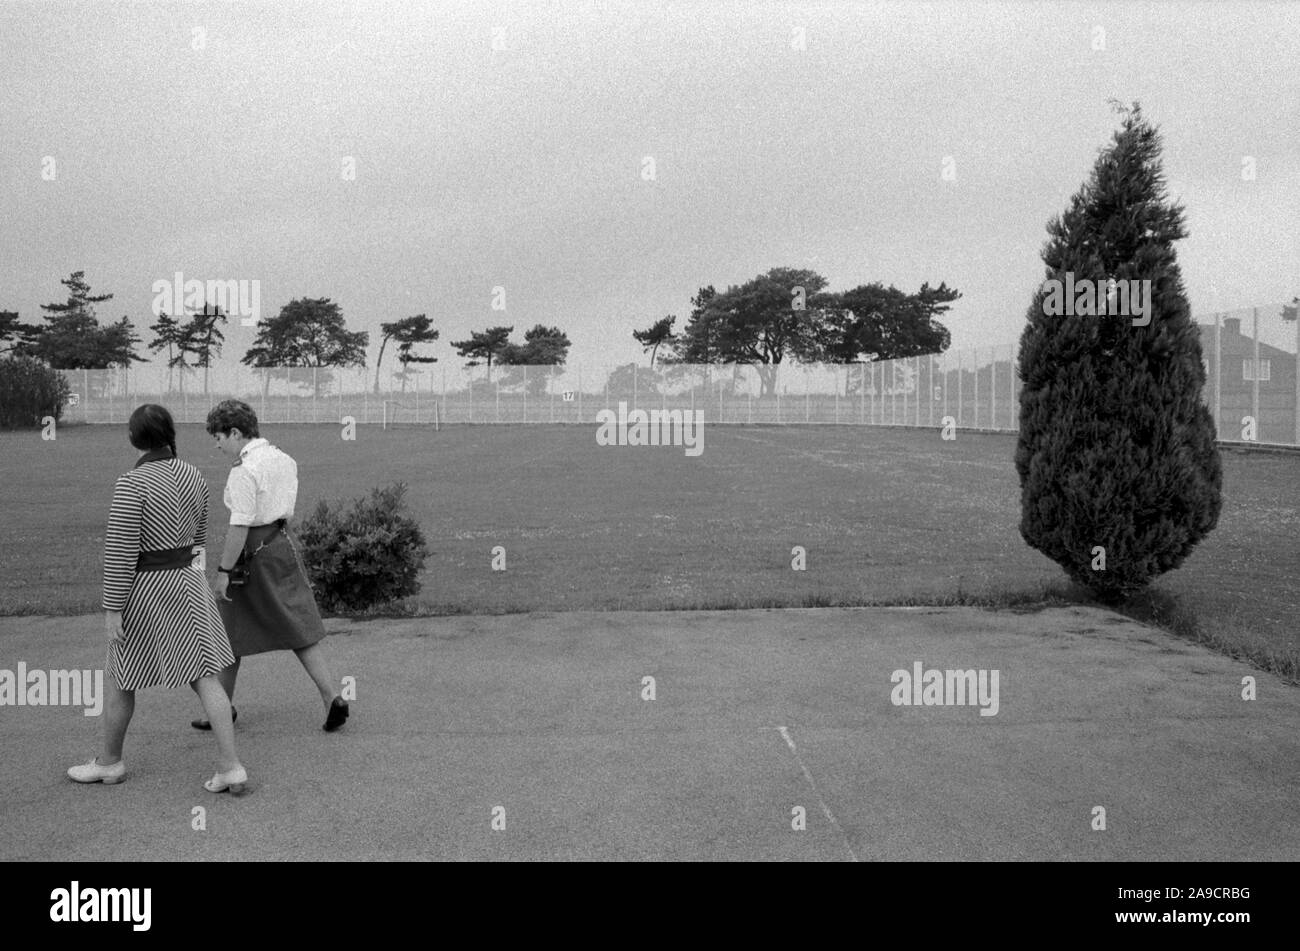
point(226, 678)
point(216, 704)
point(313, 659)
point(119, 706)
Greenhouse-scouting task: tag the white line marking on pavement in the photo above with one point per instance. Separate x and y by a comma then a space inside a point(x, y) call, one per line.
point(785, 735)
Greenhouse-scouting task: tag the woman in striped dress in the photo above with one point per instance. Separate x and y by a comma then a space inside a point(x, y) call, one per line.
point(160, 617)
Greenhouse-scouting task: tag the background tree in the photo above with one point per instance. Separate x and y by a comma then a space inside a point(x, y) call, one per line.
point(118, 342)
point(873, 322)
point(170, 333)
point(759, 323)
point(542, 346)
point(1116, 452)
point(883, 323)
point(483, 347)
point(659, 333)
point(15, 336)
point(408, 332)
point(308, 332)
point(29, 392)
point(203, 338)
point(72, 339)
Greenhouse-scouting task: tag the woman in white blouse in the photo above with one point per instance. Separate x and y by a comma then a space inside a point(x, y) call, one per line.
point(262, 588)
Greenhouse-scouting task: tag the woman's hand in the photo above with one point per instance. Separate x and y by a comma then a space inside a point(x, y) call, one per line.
point(113, 625)
point(219, 586)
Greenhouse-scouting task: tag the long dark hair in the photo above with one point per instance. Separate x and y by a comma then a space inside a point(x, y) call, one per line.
point(152, 428)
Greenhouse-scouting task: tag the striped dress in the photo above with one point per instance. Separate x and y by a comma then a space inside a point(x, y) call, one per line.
point(172, 633)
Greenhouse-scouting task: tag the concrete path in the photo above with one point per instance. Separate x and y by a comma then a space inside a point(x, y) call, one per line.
point(755, 713)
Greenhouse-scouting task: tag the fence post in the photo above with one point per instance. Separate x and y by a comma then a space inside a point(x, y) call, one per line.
point(873, 391)
point(929, 393)
point(893, 392)
point(805, 393)
point(961, 381)
point(905, 403)
point(1218, 374)
point(1011, 360)
point(945, 387)
point(579, 394)
point(993, 389)
point(315, 386)
point(862, 395)
point(1254, 404)
point(1297, 372)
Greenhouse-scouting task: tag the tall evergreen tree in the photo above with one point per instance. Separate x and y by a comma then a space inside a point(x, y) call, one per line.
point(1120, 476)
point(655, 336)
point(408, 332)
point(484, 346)
point(170, 333)
point(72, 338)
point(203, 338)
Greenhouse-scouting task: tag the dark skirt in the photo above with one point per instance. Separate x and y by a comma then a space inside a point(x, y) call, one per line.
point(275, 610)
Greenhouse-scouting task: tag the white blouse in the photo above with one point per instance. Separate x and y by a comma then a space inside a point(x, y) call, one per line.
point(262, 485)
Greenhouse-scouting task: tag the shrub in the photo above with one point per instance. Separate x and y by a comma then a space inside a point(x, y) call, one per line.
point(1116, 448)
point(365, 556)
point(30, 391)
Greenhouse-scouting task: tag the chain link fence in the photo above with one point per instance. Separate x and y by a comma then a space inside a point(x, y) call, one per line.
point(1253, 389)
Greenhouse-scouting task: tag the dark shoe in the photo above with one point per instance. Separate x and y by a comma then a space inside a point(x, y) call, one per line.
point(205, 725)
point(337, 715)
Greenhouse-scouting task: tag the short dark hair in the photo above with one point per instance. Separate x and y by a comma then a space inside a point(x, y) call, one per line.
point(152, 427)
point(233, 414)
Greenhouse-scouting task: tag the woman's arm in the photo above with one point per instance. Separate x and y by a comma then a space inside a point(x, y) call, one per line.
point(235, 539)
point(201, 533)
point(121, 544)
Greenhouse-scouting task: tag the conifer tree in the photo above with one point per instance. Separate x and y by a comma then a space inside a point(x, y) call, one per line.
point(1119, 472)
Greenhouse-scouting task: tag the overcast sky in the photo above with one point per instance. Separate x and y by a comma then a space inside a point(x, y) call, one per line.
point(523, 167)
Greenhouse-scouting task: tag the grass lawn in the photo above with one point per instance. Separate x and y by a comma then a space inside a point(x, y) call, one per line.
point(887, 516)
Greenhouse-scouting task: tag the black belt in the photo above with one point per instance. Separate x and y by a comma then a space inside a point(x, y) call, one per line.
point(166, 559)
point(261, 535)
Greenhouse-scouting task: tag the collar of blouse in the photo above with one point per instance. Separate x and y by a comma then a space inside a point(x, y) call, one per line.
point(153, 455)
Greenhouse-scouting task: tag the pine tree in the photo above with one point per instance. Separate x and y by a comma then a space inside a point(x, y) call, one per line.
point(1119, 473)
point(72, 338)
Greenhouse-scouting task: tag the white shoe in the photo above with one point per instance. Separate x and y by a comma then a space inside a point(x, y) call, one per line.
point(233, 781)
point(92, 772)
